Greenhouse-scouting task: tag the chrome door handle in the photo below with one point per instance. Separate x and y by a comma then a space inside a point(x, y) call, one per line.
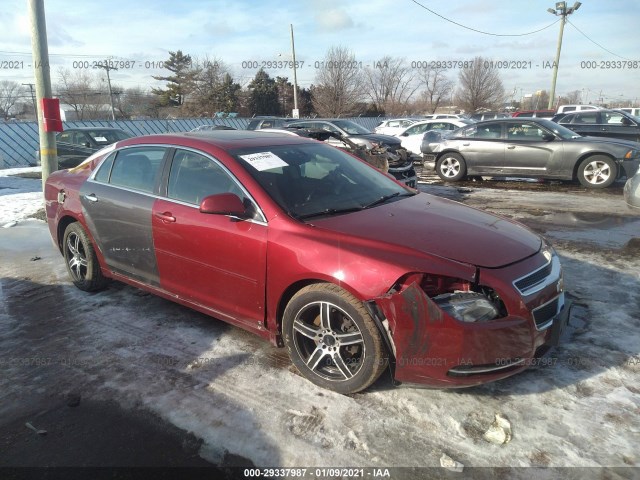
point(511, 147)
point(466, 144)
point(91, 197)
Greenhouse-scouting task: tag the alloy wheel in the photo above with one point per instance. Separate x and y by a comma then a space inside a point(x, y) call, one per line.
point(328, 341)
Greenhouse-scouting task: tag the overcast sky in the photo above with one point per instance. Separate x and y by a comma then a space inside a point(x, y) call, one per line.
point(144, 31)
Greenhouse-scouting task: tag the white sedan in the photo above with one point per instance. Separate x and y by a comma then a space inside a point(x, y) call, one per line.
point(394, 126)
point(411, 137)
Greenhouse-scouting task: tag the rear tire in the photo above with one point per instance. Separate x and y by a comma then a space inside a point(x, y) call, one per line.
point(597, 171)
point(81, 260)
point(451, 167)
point(332, 340)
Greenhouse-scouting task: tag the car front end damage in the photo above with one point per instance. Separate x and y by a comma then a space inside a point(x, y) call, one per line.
point(390, 158)
point(629, 164)
point(449, 332)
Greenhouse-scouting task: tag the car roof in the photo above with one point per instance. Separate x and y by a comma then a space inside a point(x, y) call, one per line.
point(323, 120)
point(224, 139)
point(87, 129)
point(543, 121)
point(440, 120)
point(599, 110)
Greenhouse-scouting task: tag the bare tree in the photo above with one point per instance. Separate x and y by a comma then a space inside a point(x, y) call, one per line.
point(136, 102)
point(437, 87)
point(480, 86)
point(10, 93)
point(390, 84)
point(572, 98)
point(338, 84)
point(207, 74)
point(83, 91)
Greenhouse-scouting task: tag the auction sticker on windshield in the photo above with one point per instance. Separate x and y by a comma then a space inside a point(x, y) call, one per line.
point(264, 161)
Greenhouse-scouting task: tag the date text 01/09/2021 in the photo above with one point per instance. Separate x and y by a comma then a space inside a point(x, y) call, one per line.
point(328, 472)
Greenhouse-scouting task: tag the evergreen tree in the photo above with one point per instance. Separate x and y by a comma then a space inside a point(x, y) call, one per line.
point(263, 99)
point(227, 94)
point(178, 84)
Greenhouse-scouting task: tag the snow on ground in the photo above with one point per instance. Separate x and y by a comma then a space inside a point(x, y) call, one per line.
point(20, 197)
point(580, 407)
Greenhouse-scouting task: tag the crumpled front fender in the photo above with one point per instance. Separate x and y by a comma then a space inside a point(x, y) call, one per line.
point(427, 342)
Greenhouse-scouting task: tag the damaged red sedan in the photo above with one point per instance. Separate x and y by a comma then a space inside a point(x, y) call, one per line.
point(315, 250)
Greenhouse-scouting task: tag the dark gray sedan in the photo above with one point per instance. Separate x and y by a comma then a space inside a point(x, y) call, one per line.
point(76, 144)
point(601, 123)
point(531, 148)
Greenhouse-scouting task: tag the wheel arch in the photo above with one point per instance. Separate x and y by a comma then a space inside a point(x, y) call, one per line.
point(368, 304)
point(586, 155)
point(295, 287)
point(448, 150)
point(64, 222)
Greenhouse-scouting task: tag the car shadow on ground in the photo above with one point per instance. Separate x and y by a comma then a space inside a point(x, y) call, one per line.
point(75, 367)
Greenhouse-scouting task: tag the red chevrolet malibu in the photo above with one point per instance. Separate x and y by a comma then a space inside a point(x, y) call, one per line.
point(315, 250)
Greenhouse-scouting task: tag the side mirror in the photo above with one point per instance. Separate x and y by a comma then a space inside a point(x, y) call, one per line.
point(547, 137)
point(223, 204)
point(405, 134)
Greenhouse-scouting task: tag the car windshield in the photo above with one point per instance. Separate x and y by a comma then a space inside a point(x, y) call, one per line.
point(106, 137)
point(350, 127)
point(311, 180)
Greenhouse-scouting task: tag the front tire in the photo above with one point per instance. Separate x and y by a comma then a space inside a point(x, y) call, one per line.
point(81, 260)
point(597, 171)
point(451, 167)
point(332, 340)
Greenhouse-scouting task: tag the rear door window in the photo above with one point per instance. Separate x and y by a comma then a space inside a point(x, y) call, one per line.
point(137, 168)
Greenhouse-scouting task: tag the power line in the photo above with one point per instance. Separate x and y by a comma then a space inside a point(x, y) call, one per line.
point(596, 43)
point(480, 31)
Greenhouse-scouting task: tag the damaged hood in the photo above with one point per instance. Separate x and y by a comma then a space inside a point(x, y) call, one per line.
point(436, 226)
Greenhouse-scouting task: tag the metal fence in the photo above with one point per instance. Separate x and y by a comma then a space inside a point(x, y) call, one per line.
point(19, 141)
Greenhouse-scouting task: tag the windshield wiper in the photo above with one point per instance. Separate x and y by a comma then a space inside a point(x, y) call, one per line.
point(329, 211)
point(387, 197)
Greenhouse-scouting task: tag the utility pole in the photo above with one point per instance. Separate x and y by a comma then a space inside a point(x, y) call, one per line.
point(562, 11)
point(296, 112)
point(107, 68)
point(40, 48)
point(33, 98)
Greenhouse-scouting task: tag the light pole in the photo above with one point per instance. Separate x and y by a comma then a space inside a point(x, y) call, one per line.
point(42, 78)
point(562, 11)
point(296, 112)
point(107, 67)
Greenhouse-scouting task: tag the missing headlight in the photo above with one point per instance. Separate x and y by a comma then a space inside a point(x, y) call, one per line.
point(467, 306)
